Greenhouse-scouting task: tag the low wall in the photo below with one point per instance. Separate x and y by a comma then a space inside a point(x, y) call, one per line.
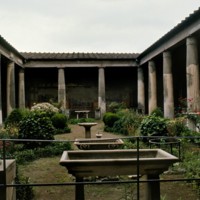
point(8, 193)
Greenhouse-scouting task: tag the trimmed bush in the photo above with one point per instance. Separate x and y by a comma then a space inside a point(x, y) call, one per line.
point(59, 120)
point(36, 126)
point(109, 119)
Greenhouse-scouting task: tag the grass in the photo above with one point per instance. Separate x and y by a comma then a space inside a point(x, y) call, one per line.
point(48, 170)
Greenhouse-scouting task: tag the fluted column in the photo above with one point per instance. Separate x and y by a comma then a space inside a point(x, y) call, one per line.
point(21, 89)
point(10, 87)
point(61, 87)
point(141, 93)
point(168, 86)
point(192, 69)
point(101, 91)
point(152, 86)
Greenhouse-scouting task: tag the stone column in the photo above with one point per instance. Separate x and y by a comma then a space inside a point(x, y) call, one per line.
point(168, 86)
point(1, 114)
point(21, 89)
point(10, 87)
point(101, 91)
point(62, 88)
point(192, 70)
point(152, 86)
point(141, 93)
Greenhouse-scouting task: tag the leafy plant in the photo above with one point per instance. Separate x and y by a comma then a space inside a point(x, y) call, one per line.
point(176, 126)
point(157, 112)
point(47, 108)
point(59, 120)
point(80, 120)
point(23, 192)
point(110, 118)
point(115, 107)
point(153, 126)
point(128, 123)
point(36, 126)
point(16, 116)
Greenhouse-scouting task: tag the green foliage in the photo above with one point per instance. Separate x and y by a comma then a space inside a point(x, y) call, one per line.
point(23, 192)
point(157, 112)
point(128, 123)
point(62, 131)
point(23, 156)
point(80, 120)
point(190, 166)
point(115, 107)
point(59, 120)
point(47, 108)
point(131, 143)
point(110, 118)
point(191, 136)
point(36, 126)
point(4, 134)
point(16, 116)
point(177, 126)
point(153, 126)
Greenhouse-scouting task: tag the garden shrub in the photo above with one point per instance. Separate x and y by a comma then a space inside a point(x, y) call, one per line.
point(176, 126)
point(128, 123)
point(109, 119)
point(24, 156)
point(47, 108)
point(16, 116)
point(59, 120)
point(190, 166)
point(157, 112)
point(36, 126)
point(55, 148)
point(114, 107)
point(81, 120)
point(23, 192)
point(153, 126)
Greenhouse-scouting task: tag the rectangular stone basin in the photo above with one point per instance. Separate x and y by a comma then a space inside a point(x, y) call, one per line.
point(116, 162)
point(98, 144)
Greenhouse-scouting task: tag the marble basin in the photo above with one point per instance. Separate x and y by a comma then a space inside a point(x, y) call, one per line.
point(116, 162)
point(98, 144)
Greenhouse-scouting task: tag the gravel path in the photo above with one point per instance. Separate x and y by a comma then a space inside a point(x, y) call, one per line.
point(79, 132)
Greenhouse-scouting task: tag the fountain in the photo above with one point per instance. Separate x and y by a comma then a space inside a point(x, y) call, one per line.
point(151, 162)
point(98, 144)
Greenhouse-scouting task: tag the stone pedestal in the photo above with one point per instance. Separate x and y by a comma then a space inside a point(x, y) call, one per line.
point(8, 193)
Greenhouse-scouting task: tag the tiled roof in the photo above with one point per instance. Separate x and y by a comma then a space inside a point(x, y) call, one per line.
point(7, 45)
point(79, 56)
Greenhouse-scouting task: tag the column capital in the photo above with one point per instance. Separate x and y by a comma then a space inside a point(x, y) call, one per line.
point(101, 66)
point(166, 54)
point(191, 40)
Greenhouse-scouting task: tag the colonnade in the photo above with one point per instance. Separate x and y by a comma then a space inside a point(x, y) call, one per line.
point(101, 89)
point(192, 79)
point(192, 84)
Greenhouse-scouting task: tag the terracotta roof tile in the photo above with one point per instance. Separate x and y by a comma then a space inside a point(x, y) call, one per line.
point(75, 56)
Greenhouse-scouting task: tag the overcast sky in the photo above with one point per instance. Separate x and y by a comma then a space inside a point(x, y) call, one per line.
point(125, 26)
